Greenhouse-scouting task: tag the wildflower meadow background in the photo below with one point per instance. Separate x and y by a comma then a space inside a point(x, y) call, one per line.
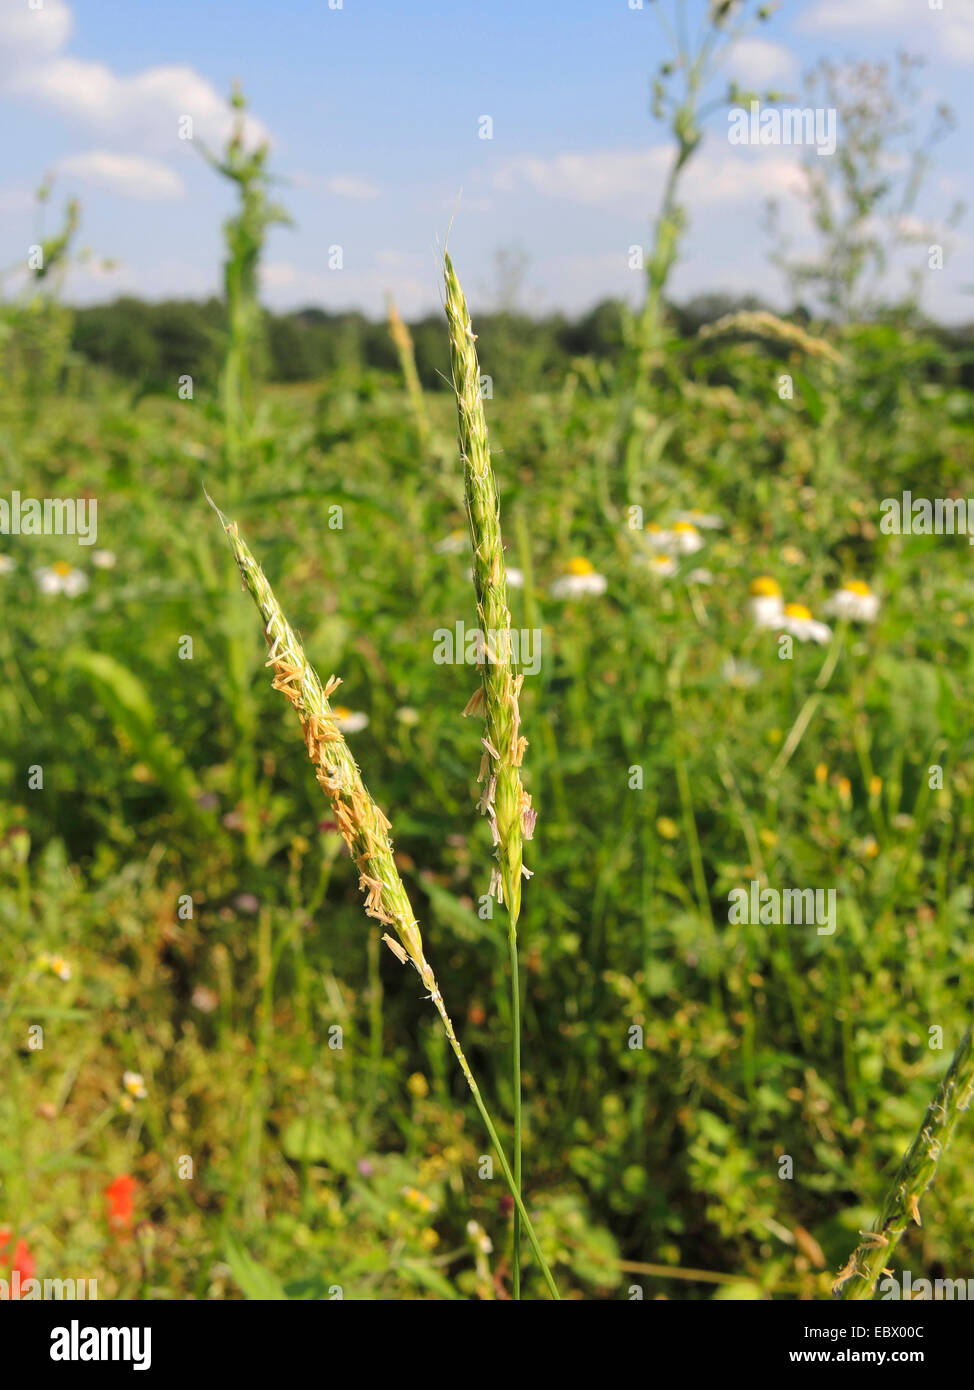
point(216, 1081)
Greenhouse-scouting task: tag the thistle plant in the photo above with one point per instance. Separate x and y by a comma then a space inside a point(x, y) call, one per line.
point(503, 801)
point(361, 822)
point(244, 235)
point(678, 100)
point(857, 1279)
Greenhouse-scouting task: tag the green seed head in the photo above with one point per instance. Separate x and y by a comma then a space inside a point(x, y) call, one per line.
point(504, 800)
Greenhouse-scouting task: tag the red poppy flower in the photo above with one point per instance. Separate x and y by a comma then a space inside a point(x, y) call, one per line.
point(120, 1196)
point(23, 1260)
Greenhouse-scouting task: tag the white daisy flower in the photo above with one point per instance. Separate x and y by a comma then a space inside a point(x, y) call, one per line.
point(103, 559)
point(62, 578)
point(350, 721)
point(7, 564)
point(453, 544)
point(767, 606)
point(856, 601)
point(798, 620)
point(740, 674)
point(657, 538)
point(682, 538)
point(706, 521)
point(580, 578)
point(133, 1083)
point(700, 577)
point(687, 540)
point(664, 566)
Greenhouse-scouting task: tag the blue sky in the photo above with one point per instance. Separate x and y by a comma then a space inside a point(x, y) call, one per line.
point(373, 113)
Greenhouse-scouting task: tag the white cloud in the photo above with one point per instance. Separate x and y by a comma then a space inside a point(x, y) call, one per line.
point(338, 185)
point(143, 109)
point(604, 177)
point(28, 35)
point(342, 186)
point(758, 63)
point(950, 30)
point(634, 177)
point(128, 174)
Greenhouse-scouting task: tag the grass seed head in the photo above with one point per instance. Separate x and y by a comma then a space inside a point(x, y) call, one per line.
point(504, 801)
point(361, 822)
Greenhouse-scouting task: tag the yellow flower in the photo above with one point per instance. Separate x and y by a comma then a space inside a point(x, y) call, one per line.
point(765, 587)
point(875, 786)
point(667, 828)
point(54, 965)
point(419, 1201)
point(579, 565)
point(417, 1085)
point(428, 1238)
point(845, 790)
point(821, 773)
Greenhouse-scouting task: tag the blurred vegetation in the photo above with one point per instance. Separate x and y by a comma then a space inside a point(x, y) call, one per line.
point(151, 344)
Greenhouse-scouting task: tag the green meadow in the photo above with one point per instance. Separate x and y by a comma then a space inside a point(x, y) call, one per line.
point(745, 953)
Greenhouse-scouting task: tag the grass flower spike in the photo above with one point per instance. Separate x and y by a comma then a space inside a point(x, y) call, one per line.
point(504, 801)
point(362, 824)
point(857, 1280)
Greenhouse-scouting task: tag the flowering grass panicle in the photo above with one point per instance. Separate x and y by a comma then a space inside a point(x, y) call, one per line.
point(857, 1280)
point(361, 822)
point(403, 341)
point(504, 800)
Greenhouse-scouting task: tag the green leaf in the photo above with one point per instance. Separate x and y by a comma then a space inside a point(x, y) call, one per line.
point(255, 1281)
point(128, 704)
point(428, 1278)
